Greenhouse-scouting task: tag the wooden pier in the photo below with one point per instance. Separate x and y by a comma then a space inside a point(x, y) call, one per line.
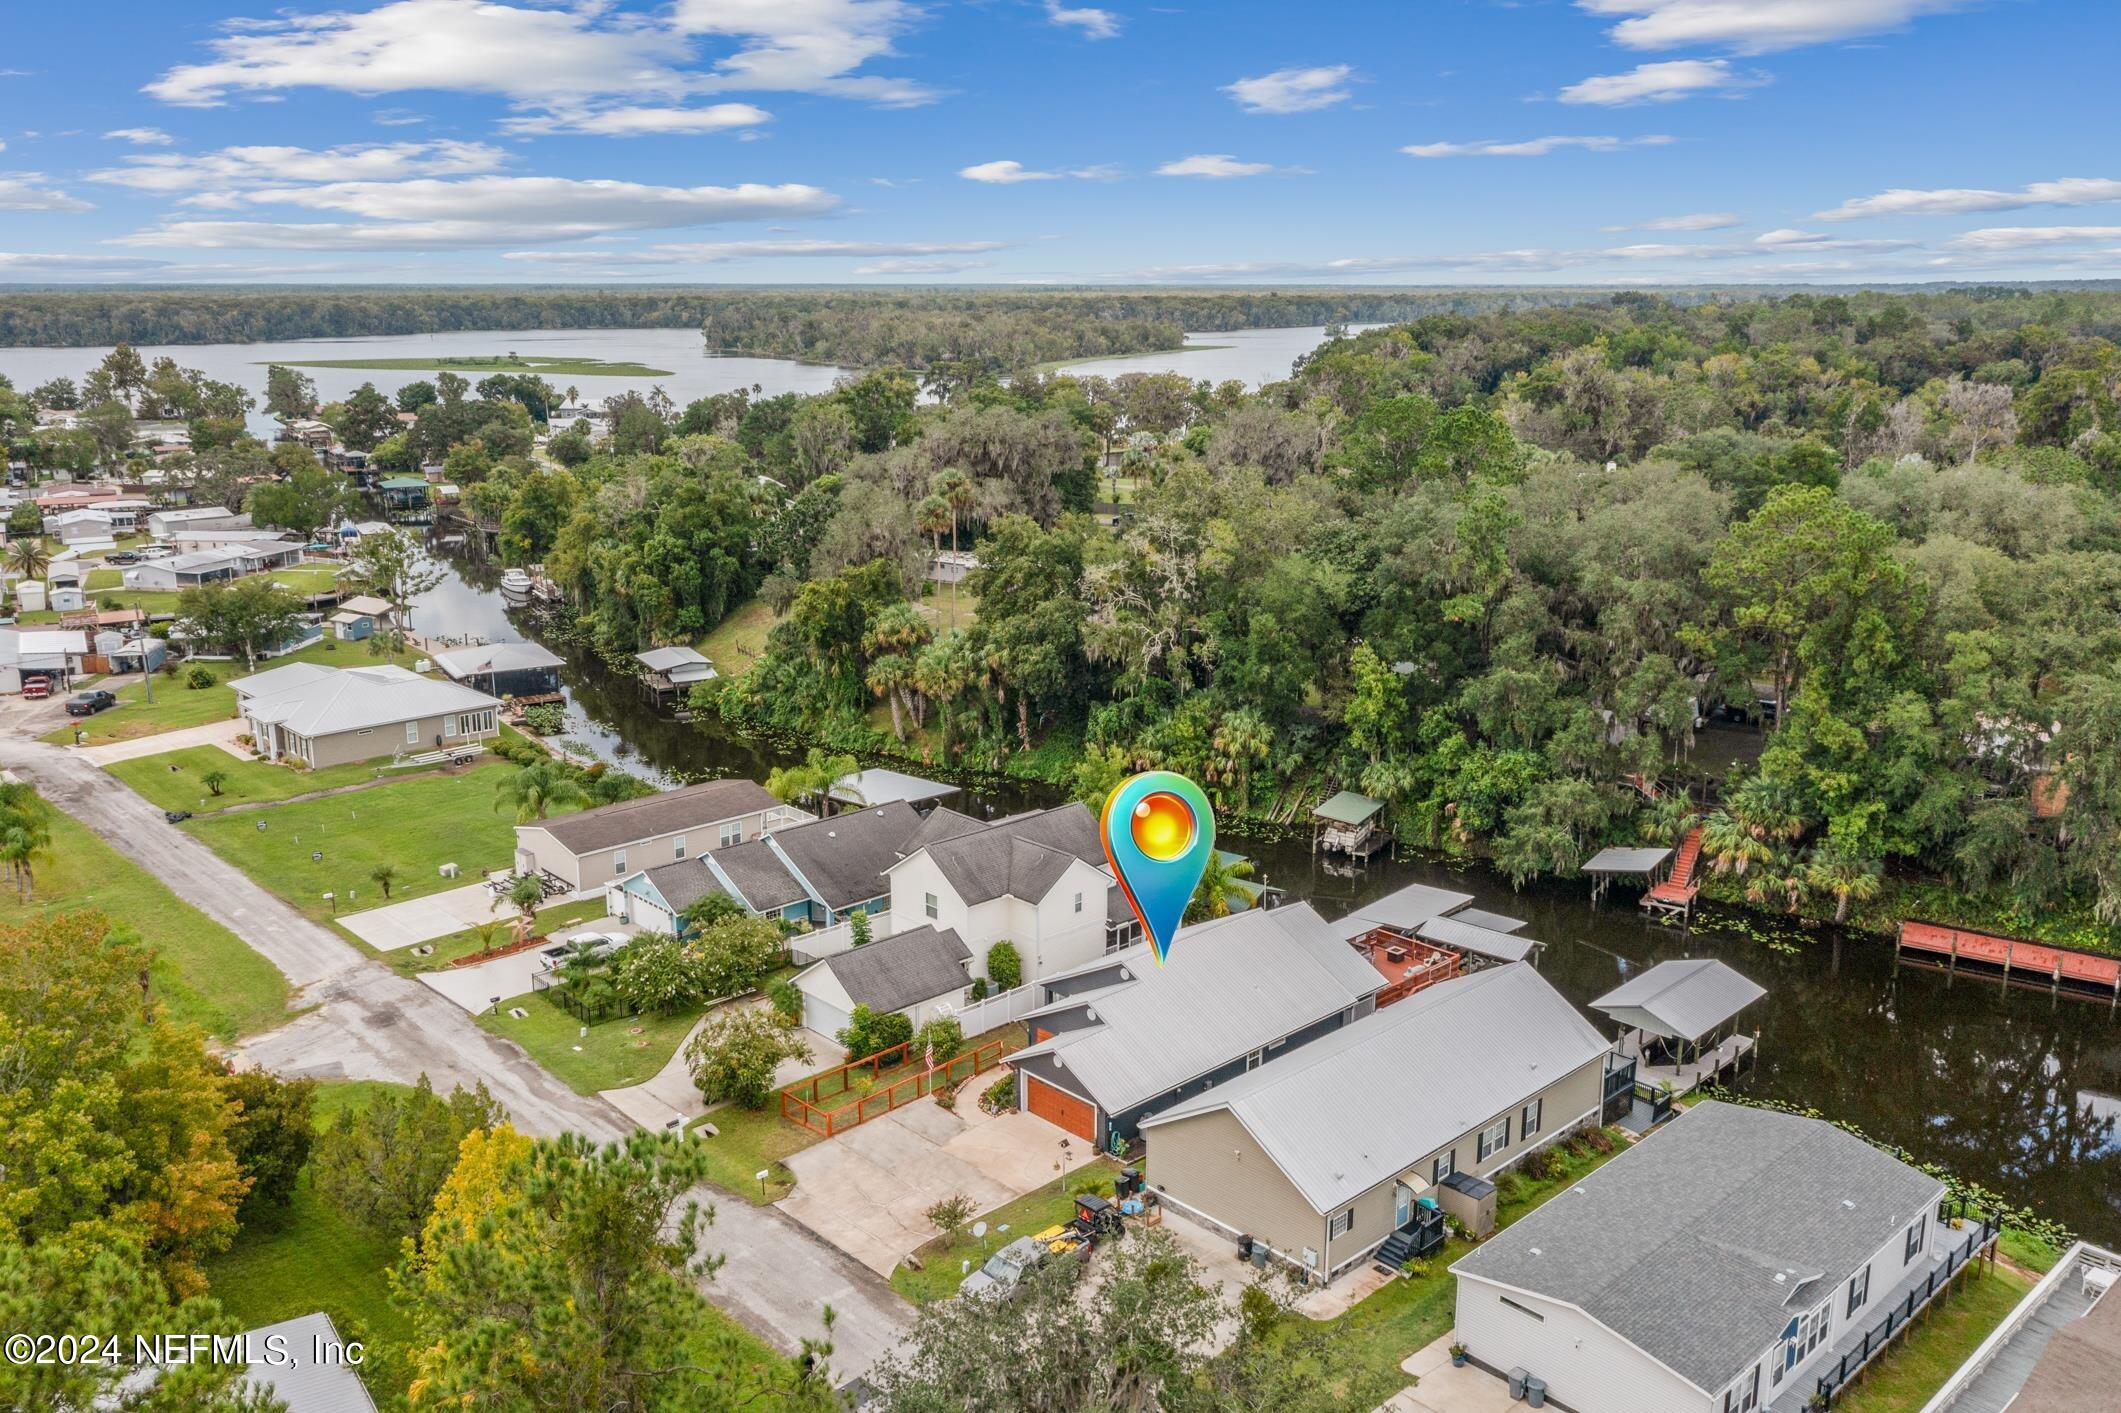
point(2015, 961)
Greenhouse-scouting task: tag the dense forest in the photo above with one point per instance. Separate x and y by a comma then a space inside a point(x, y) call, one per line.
point(1499, 570)
point(862, 327)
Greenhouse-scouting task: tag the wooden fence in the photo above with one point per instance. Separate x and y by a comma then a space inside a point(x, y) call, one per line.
point(802, 1102)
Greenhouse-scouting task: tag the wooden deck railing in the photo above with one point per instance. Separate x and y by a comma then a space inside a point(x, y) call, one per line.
point(800, 1101)
point(1896, 1317)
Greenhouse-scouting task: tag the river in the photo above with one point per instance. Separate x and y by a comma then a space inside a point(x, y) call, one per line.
point(2011, 1088)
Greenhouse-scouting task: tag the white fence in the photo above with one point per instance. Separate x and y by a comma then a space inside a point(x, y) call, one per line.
point(979, 1017)
point(807, 947)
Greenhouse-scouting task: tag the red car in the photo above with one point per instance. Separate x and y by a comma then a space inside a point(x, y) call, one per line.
point(36, 689)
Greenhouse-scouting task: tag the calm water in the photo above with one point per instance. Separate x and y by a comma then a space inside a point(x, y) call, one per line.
point(694, 373)
point(2013, 1088)
point(1252, 356)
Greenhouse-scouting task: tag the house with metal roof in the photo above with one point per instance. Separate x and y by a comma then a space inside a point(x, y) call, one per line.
point(919, 974)
point(608, 845)
point(882, 787)
point(1122, 1038)
point(1039, 880)
point(1444, 918)
point(503, 669)
point(1306, 1155)
point(1729, 1261)
point(335, 715)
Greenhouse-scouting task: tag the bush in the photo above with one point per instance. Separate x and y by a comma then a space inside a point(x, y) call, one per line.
point(734, 1056)
point(942, 1036)
point(1537, 1164)
point(868, 1033)
point(979, 988)
point(199, 676)
point(858, 928)
point(1005, 967)
point(950, 1214)
point(787, 1001)
point(1000, 1097)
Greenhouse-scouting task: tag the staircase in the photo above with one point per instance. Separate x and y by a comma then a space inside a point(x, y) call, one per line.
point(1684, 861)
point(1396, 1252)
point(1676, 893)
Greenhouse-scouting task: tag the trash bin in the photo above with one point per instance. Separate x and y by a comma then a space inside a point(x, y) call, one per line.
point(1535, 1392)
point(1517, 1382)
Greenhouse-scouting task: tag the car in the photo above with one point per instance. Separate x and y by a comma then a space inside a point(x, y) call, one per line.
point(122, 557)
point(998, 1276)
point(36, 689)
point(88, 703)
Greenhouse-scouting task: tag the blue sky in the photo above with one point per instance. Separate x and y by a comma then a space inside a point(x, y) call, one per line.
point(1221, 141)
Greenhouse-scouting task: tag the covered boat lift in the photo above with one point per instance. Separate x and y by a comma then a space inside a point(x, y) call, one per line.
point(1679, 1022)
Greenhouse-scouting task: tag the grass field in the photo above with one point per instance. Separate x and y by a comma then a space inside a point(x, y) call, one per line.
point(307, 1257)
point(177, 706)
point(202, 972)
point(613, 1055)
point(942, 1260)
point(175, 780)
point(417, 825)
point(1914, 1369)
point(496, 363)
point(740, 639)
point(747, 1140)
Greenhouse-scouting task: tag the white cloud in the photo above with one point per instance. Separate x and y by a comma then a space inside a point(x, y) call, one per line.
point(639, 121)
point(1813, 241)
point(231, 169)
point(543, 56)
point(483, 211)
point(1533, 147)
point(19, 191)
point(919, 267)
point(396, 117)
point(145, 137)
point(1665, 82)
point(1699, 221)
point(1756, 26)
point(1005, 173)
point(1095, 24)
point(2008, 238)
point(1956, 201)
point(1216, 166)
point(718, 252)
point(1292, 90)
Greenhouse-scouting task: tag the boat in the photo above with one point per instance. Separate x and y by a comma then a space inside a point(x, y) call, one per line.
point(515, 586)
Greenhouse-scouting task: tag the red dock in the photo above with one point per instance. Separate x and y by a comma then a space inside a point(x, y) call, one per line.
point(1677, 892)
point(2016, 958)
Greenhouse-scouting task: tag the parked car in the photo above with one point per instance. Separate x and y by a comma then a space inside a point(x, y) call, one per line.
point(1002, 1272)
point(36, 689)
point(121, 557)
point(87, 703)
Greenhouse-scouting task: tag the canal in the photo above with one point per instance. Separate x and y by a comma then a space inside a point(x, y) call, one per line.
point(2012, 1088)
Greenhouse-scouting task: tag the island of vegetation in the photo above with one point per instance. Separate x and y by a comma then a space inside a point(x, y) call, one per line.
point(493, 363)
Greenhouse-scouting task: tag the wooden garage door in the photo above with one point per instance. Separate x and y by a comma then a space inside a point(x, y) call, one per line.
point(1061, 1109)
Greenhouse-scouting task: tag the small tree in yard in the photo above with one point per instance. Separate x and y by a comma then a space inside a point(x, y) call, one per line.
point(735, 954)
point(939, 1040)
point(950, 1215)
point(656, 974)
point(213, 780)
point(383, 874)
point(524, 895)
point(858, 927)
point(1005, 967)
point(869, 1033)
point(734, 1055)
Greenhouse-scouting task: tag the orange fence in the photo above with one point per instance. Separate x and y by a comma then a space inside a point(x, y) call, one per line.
point(2016, 956)
point(800, 1101)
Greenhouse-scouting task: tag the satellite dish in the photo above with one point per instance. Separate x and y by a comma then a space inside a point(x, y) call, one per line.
point(979, 1229)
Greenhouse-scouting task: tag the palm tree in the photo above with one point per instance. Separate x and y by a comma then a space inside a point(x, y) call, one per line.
point(485, 936)
point(887, 678)
point(524, 895)
point(1730, 846)
point(934, 515)
point(800, 784)
point(1768, 809)
point(28, 558)
point(1242, 740)
point(900, 630)
point(955, 488)
point(22, 846)
point(1218, 886)
point(537, 790)
point(213, 780)
point(384, 874)
point(1848, 876)
point(1668, 819)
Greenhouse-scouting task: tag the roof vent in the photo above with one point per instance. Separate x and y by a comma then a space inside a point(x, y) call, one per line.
point(1537, 1252)
point(1780, 1277)
point(1848, 1204)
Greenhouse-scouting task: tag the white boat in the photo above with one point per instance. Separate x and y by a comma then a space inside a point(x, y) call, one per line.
point(515, 586)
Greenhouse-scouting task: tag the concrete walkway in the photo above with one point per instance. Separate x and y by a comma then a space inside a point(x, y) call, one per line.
point(371, 1023)
point(427, 917)
point(671, 1096)
point(214, 733)
point(1443, 1389)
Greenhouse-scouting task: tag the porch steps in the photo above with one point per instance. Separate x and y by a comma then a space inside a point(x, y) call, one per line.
point(1676, 893)
point(1398, 1247)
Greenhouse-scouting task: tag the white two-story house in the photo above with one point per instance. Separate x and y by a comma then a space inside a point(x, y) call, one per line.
point(1037, 880)
point(1718, 1267)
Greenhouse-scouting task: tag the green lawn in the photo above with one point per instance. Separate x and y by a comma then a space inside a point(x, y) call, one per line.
point(416, 825)
point(463, 944)
point(202, 972)
point(740, 639)
point(614, 1054)
point(496, 363)
point(1913, 1370)
point(175, 780)
point(104, 579)
point(308, 1257)
point(177, 706)
point(943, 1260)
point(747, 1140)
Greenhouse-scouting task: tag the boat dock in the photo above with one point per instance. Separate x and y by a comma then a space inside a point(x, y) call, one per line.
point(2016, 961)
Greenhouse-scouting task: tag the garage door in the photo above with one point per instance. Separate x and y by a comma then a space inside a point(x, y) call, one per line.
point(824, 1019)
point(1060, 1108)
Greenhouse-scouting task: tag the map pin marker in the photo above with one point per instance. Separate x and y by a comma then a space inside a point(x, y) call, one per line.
point(1159, 831)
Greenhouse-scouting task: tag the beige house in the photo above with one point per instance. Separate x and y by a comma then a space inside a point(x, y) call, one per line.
point(1328, 1152)
point(337, 715)
point(601, 847)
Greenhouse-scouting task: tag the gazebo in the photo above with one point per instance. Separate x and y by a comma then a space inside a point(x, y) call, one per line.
point(1679, 1020)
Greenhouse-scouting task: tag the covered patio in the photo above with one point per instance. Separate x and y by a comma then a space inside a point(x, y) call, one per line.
point(1679, 1022)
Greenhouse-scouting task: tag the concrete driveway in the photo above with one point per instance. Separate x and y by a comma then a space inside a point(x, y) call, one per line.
point(474, 987)
point(214, 733)
point(865, 1191)
point(425, 918)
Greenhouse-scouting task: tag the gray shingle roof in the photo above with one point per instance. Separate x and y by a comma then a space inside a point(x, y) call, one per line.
point(1681, 1000)
point(1228, 988)
point(683, 883)
point(694, 806)
point(844, 857)
point(903, 969)
point(1677, 1245)
point(1021, 856)
point(760, 878)
point(1477, 1046)
point(942, 823)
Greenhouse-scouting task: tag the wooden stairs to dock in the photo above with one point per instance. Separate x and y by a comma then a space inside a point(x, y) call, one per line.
point(1677, 892)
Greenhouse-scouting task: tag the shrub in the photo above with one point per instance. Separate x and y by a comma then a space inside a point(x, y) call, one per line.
point(1537, 1164)
point(1001, 1095)
point(942, 1036)
point(979, 988)
point(858, 928)
point(547, 718)
point(199, 676)
point(950, 1215)
point(734, 1055)
point(868, 1033)
point(787, 1001)
point(1597, 1140)
point(1005, 966)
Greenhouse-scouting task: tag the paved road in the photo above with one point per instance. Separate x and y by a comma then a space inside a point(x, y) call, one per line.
point(368, 1022)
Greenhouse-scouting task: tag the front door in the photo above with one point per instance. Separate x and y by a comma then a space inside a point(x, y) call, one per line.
point(1402, 1204)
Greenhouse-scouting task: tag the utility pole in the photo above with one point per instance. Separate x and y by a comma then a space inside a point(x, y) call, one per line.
point(147, 671)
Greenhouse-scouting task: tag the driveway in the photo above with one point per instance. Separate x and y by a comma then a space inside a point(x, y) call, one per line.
point(671, 1096)
point(474, 987)
point(427, 917)
point(214, 733)
point(865, 1191)
point(371, 1023)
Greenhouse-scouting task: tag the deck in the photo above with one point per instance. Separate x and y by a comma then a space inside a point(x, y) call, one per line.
point(1997, 1371)
point(1729, 1058)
